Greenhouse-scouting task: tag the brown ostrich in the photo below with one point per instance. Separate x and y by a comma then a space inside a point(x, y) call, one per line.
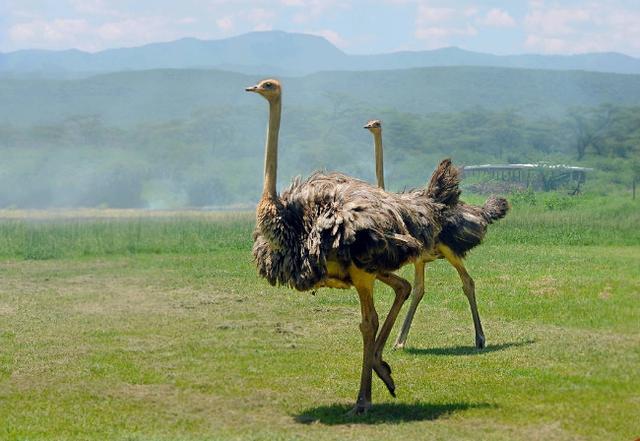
point(334, 231)
point(464, 226)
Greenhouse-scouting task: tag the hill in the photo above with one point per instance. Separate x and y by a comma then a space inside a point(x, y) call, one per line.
point(174, 138)
point(283, 53)
point(127, 98)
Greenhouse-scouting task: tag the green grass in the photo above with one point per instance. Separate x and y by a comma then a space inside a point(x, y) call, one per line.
point(159, 329)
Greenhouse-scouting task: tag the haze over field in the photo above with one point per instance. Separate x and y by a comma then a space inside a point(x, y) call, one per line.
point(137, 136)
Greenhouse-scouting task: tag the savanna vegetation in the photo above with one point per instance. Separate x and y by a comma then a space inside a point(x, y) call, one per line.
point(157, 328)
point(177, 138)
point(152, 325)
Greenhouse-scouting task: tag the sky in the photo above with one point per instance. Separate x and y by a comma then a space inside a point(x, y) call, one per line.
point(355, 26)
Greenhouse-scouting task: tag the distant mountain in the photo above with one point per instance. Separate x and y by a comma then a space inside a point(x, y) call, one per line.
point(126, 98)
point(282, 53)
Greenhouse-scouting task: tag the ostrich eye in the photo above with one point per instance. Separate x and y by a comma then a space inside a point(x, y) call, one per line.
point(268, 85)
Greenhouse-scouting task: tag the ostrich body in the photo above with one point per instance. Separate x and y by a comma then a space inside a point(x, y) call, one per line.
point(331, 230)
point(463, 228)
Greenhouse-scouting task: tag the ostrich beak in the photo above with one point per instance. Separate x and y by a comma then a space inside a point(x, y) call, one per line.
point(251, 89)
point(366, 127)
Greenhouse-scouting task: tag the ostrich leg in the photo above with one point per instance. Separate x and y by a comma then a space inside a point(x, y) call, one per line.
point(469, 289)
point(402, 289)
point(416, 297)
point(363, 283)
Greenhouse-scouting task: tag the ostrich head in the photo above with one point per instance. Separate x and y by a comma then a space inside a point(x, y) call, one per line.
point(270, 89)
point(375, 125)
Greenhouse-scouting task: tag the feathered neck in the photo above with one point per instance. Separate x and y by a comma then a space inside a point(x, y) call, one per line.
point(377, 138)
point(271, 149)
point(269, 212)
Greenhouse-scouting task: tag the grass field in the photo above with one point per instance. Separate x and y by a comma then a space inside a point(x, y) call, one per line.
point(120, 326)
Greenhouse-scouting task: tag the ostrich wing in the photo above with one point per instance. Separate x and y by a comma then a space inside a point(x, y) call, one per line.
point(333, 217)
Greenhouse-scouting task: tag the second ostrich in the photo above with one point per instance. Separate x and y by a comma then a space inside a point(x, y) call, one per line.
point(464, 226)
point(331, 230)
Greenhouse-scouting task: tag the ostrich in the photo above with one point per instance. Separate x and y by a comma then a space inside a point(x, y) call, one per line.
point(463, 228)
point(334, 231)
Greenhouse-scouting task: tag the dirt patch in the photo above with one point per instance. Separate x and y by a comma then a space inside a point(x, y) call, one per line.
point(7, 309)
point(606, 293)
point(546, 286)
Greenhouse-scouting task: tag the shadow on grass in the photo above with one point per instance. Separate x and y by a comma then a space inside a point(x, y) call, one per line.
point(383, 413)
point(467, 350)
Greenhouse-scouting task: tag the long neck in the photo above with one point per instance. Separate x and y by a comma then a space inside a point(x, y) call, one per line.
point(377, 137)
point(271, 149)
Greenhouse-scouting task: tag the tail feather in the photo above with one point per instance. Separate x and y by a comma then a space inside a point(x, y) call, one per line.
point(495, 208)
point(466, 225)
point(444, 184)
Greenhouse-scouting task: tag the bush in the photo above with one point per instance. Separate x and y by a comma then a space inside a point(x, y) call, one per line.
point(525, 198)
point(557, 202)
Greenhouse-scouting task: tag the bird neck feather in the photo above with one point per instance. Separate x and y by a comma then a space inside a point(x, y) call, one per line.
point(377, 137)
point(269, 213)
point(271, 148)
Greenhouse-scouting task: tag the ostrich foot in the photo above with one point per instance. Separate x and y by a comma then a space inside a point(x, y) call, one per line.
point(383, 370)
point(361, 408)
point(398, 345)
point(480, 343)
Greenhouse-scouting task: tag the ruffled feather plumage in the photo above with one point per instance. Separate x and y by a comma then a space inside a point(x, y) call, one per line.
point(333, 216)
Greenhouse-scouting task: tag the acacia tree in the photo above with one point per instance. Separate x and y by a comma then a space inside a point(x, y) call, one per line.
point(590, 127)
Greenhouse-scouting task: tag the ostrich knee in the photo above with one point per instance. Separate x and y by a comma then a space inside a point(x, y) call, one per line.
point(469, 289)
point(416, 297)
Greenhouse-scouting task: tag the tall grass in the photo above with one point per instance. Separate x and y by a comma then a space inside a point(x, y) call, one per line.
point(75, 238)
point(534, 220)
point(553, 218)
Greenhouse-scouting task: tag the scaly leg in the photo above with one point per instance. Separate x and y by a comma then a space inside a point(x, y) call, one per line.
point(402, 289)
point(417, 294)
point(469, 289)
point(363, 283)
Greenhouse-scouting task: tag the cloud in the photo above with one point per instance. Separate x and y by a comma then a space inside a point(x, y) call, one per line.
point(94, 7)
point(587, 27)
point(498, 18)
point(310, 10)
point(263, 27)
point(436, 26)
point(225, 23)
point(442, 33)
point(262, 19)
point(331, 35)
point(260, 15)
point(555, 21)
point(58, 31)
point(81, 34)
point(428, 14)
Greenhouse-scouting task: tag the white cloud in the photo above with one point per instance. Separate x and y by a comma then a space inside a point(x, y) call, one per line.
point(94, 7)
point(498, 18)
point(131, 30)
point(225, 24)
point(556, 21)
point(81, 34)
point(310, 10)
point(260, 15)
point(428, 14)
point(588, 27)
point(436, 26)
point(331, 35)
point(470, 11)
point(263, 27)
point(58, 31)
point(260, 18)
point(442, 33)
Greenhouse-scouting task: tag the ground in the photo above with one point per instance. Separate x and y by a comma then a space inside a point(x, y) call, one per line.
point(185, 342)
